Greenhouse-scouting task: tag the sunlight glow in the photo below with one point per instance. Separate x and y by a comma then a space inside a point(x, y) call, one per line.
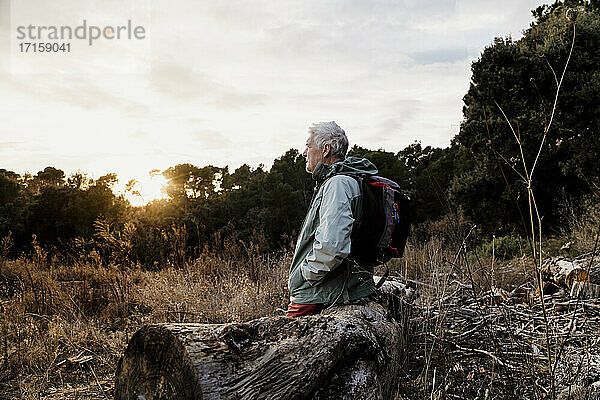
point(143, 190)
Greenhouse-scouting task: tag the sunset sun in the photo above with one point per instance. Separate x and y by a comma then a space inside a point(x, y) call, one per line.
point(143, 190)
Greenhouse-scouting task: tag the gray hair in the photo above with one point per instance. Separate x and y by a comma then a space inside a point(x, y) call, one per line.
point(330, 133)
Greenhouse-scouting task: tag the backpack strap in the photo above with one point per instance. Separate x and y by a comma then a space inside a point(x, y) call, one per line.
point(359, 180)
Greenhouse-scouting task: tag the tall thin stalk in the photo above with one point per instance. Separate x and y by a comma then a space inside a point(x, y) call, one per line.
point(534, 215)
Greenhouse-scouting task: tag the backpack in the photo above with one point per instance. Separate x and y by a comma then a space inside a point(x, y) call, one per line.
point(381, 235)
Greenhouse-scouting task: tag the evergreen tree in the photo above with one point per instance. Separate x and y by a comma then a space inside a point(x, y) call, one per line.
point(514, 84)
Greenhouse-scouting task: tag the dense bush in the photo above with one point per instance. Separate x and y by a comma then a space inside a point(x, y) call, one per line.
point(505, 247)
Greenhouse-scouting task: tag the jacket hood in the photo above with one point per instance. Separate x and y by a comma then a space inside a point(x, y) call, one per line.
point(351, 165)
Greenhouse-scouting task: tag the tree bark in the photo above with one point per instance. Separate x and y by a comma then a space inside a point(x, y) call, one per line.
point(351, 351)
point(563, 272)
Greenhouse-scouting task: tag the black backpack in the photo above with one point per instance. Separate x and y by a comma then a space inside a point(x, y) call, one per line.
point(385, 224)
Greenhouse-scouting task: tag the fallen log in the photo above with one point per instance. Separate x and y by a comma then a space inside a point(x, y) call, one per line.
point(351, 351)
point(562, 271)
point(585, 290)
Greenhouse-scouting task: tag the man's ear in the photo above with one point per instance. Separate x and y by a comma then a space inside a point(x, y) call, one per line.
point(326, 150)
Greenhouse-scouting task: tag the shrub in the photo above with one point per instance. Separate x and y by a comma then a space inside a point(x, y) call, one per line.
point(504, 247)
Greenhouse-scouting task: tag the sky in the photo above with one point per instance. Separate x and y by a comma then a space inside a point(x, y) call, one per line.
point(234, 82)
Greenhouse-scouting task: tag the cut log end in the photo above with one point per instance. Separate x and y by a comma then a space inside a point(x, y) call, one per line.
point(563, 272)
point(155, 366)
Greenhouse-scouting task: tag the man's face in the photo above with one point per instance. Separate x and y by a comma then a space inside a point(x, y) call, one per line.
point(312, 154)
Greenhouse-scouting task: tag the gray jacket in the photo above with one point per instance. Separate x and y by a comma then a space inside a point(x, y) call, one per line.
point(321, 271)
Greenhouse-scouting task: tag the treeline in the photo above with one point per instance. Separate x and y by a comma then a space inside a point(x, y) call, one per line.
point(207, 208)
point(482, 177)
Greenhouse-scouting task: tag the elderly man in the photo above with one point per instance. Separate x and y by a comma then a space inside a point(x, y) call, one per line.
point(321, 273)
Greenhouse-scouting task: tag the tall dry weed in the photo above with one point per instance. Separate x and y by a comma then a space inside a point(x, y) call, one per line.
point(57, 311)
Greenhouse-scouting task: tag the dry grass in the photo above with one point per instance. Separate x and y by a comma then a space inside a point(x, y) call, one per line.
point(52, 312)
point(476, 314)
point(583, 226)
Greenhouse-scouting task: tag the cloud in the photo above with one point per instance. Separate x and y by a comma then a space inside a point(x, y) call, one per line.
point(78, 91)
point(182, 83)
point(140, 135)
point(211, 140)
point(12, 144)
point(229, 84)
point(87, 95)
point(4, 32)
point(444, 55)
